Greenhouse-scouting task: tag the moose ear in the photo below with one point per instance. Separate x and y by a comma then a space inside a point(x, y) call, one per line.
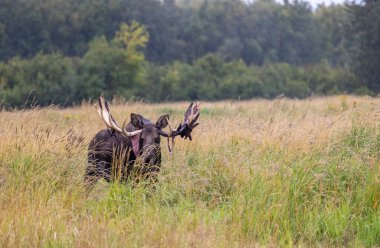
point(136, 121)
point(162, 121)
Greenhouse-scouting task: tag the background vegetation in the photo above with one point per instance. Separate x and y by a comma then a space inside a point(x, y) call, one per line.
point(258, 173)
point(66, 51)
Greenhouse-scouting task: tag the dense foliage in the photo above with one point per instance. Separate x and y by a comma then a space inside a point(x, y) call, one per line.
point(365, 24)
point(64, 51)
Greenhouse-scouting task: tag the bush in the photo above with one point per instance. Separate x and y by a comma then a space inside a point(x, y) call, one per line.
point(111, 68)
point(51, 79)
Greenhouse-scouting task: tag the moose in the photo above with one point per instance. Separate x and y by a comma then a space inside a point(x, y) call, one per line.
point(132, 144)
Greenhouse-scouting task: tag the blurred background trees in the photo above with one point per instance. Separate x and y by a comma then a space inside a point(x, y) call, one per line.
point(65, 51)
point(364, 17)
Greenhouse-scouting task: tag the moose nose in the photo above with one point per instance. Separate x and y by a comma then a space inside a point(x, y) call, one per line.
point(150, 151)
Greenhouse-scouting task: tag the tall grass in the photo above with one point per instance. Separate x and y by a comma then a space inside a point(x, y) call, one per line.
point(257, 173)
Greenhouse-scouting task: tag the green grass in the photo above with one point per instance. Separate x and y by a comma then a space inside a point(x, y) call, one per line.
point(241, 188)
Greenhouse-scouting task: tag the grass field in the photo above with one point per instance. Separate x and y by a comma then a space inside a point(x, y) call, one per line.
point(257, 173)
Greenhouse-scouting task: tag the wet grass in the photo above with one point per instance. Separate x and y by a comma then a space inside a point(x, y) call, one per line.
point(258, 173)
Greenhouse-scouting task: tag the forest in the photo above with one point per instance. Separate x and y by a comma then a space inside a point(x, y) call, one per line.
point(64, 52)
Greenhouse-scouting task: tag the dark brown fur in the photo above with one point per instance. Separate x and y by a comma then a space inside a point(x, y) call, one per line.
point(111, 151)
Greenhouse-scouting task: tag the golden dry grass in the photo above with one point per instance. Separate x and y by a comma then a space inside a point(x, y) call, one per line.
point(258, 173)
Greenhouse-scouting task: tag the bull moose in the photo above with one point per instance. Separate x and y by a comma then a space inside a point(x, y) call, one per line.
point(139, 140)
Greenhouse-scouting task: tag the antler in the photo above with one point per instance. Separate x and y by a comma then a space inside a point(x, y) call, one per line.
point(190, 122)
point(191, 116)
point(105, 114)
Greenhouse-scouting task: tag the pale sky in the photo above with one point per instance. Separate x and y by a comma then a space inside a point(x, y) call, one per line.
point(314, 3)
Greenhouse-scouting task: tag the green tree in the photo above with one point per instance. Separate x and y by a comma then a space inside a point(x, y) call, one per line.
point(116, 67)
point(364, 28)
point(49, 79)
point(331, 21)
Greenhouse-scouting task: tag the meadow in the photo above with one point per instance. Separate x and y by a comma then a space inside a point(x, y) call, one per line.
point(273, 173)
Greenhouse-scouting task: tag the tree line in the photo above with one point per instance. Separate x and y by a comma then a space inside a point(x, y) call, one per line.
point(65, 51)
